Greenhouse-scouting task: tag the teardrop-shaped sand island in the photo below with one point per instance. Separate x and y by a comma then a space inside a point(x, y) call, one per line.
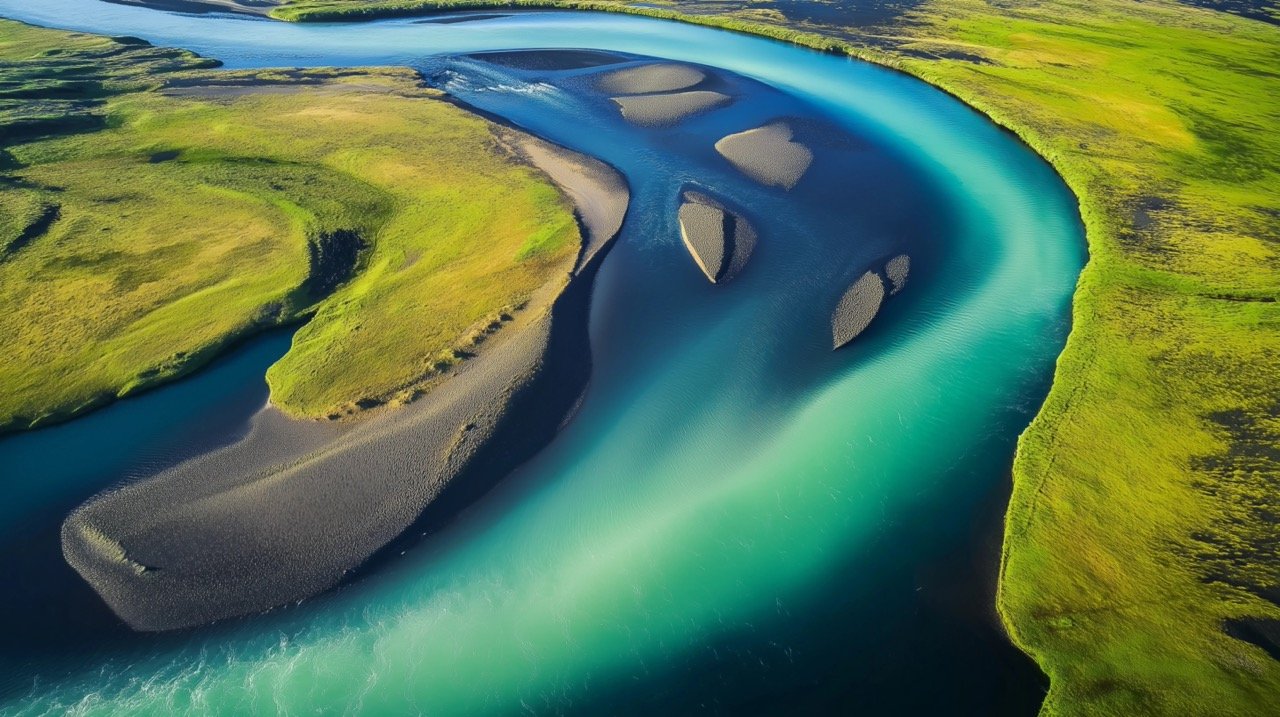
point(768, 154)
point(719, 240)
point(857, 308)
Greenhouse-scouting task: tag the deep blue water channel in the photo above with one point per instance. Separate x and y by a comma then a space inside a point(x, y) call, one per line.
point(737, 520)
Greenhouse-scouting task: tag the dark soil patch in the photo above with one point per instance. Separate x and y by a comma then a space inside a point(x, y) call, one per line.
point(33, 231)
point(1263, 10)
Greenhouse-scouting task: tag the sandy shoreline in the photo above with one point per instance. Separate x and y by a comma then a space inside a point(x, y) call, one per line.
point(599, 194)
point(294, 507)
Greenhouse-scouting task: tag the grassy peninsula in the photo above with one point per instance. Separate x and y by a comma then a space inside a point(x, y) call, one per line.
point(153, 209)
point(1139, 565)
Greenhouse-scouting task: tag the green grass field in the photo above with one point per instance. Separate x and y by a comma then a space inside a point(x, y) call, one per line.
point(1145, 492)
point(1125, 551)
point(1144, 514)
point(153, 210)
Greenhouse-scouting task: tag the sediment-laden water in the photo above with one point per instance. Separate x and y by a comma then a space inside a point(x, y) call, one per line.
point(737, 519)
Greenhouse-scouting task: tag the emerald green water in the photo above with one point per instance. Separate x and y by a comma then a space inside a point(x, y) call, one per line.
point(737, 519)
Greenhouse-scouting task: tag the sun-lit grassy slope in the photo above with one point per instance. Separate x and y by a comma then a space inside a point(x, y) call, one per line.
point(1144, 515)
point(152, 210)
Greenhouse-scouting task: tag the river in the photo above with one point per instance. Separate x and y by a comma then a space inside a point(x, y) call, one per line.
point(737, 520)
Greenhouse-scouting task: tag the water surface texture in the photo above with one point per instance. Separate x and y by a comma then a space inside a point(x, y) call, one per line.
point(738, 520)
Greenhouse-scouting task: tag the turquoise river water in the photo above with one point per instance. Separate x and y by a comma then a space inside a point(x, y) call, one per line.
point(737, 519)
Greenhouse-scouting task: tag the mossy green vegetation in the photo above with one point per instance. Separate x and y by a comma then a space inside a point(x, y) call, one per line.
point(1142, 526)
point(154, 210)
point(1141, 523)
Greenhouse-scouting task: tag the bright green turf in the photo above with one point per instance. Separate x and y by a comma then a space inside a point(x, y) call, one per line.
point(1147, 491)
point(186, 218)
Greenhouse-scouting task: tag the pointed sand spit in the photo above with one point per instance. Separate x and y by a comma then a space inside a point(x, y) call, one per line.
point(598, 192)
point(768, 154)
point(719, 240)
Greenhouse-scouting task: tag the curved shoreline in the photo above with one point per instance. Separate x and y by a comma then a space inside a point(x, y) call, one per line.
point(1092, 348)
point(836, 69)
point(1089, 209)
point(802, 39)
point(294, 507)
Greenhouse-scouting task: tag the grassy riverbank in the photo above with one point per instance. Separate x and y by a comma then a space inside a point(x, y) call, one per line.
point(153, 210)
point(1140, 522)
point(1141, 531)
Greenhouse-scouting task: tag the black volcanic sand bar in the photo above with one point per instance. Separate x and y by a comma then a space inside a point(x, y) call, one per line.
point(290, 510)
point(559, 60)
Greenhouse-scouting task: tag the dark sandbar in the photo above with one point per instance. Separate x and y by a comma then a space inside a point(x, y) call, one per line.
point(857, 308)
point(455, 19)
point(295, 506)
point(719, 240)
point(243, 7)
point(666, 109)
